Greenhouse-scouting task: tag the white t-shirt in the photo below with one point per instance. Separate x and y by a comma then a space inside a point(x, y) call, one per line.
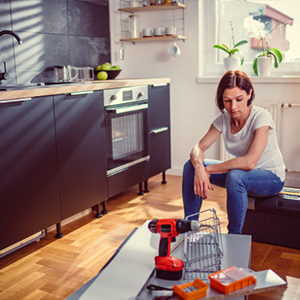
point(237, 144)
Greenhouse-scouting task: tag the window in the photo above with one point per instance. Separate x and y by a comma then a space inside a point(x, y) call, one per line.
point(281, 20)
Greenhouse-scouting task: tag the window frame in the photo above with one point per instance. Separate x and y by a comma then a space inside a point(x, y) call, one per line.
point(209, 65)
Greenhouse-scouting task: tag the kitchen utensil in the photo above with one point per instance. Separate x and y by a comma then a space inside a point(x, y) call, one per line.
point(72, 73)
point(171, 30)
point(159, 31)
point(135, 3)
point(175, 50)
point(147, 32)
point(122, 52)
point(133, 25)
point(86, 73)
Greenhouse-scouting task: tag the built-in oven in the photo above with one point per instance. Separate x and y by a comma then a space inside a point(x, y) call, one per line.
point(126, 129)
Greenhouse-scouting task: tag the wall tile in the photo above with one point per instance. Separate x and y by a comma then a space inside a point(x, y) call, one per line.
point(101, 2)
point(86, 51)
point(46, 16)
point(5, 18)
point(88, 19)
point(43, 27)
point(39, 51)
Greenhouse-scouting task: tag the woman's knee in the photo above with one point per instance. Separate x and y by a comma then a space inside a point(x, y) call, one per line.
point(234, 177)
point(188, 168)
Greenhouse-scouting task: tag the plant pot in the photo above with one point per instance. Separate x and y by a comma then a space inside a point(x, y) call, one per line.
point(264, 66)
point(231, 63)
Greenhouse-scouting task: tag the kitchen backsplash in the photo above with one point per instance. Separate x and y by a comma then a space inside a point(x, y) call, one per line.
point(54, 32)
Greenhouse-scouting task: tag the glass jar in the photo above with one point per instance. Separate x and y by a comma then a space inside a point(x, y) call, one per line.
point(134, 27)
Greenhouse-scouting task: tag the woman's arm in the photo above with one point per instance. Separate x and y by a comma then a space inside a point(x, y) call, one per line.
point(248, 161)
point(201, 180)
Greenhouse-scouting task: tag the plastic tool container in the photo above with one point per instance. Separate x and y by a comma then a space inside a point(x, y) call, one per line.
point(231, 279)
point(191, 290)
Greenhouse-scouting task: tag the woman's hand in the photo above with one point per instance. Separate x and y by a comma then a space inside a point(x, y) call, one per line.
point(202, 182)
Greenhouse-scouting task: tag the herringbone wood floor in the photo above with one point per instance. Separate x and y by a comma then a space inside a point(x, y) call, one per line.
point(54, 268)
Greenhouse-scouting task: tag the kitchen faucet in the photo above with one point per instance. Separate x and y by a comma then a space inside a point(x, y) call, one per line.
point(4, 75)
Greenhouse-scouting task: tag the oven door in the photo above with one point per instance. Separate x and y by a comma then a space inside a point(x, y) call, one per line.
point(127, 136)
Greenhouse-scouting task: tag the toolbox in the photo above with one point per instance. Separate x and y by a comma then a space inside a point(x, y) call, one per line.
point(191, 290)
point(231, 279)
point(276, 219)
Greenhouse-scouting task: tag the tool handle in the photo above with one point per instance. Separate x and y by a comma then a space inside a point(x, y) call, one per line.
point(164, 246)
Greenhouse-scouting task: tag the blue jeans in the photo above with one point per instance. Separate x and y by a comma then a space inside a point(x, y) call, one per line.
point(238, 183)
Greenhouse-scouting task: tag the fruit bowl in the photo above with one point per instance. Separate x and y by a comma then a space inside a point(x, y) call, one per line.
point(112, 74)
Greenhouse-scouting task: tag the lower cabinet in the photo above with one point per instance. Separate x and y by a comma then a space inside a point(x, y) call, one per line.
point(53, 161)
point(159, 128)
point(29, 194)
point(80, 135)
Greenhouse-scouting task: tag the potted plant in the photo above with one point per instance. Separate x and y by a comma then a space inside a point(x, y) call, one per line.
point(267, 56)
point(233, 50)
point(232, 61)
point(263, 61)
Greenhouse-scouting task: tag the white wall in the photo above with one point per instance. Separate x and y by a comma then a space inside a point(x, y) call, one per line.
point(193, 104)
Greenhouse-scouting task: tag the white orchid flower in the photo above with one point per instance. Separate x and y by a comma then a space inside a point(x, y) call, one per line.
point(255, 28)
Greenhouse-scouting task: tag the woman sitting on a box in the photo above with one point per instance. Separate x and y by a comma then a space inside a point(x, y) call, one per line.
point(249, 134)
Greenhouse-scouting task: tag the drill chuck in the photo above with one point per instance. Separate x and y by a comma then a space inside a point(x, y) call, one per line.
point(195, 225)
point(183, 226)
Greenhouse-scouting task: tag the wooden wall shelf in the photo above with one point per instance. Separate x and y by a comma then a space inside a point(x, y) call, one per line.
point(155, 38)
point(153, 8)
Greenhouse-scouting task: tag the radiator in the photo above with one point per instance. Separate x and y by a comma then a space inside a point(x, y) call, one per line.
point(275, 111)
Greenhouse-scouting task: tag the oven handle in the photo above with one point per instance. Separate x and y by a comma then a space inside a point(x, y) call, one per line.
point(126, 166)
point(121, 110)
point(159, 130)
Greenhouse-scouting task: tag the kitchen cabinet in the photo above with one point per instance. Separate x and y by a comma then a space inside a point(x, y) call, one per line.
point(80, 134)
point(29, 195)
point(53, 161)
point(159, 128)
point(154, 8)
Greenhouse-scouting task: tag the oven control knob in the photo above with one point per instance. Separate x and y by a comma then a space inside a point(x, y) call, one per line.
point(113, 97)
point(140, 94)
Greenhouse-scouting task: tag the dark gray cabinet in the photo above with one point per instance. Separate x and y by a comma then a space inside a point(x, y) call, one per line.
point(80, 136)
point(53, 161)
point(29, 195)
point(159, 128)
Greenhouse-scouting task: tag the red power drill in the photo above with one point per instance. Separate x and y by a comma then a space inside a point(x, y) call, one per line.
point(169, 267)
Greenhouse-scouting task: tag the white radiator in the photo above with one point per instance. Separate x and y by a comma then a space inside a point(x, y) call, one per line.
point(275, 111)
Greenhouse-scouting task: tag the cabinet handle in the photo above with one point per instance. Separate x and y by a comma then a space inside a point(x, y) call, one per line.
point(127, 109)
point(159, 130)
point(15, 100)
point(81, 93)
point(159, 84)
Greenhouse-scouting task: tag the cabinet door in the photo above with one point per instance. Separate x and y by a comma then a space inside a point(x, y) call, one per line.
point(29, 198)
point(159, 129)
point(80, 132)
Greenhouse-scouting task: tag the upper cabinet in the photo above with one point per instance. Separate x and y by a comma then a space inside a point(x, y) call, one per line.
point(171, 27)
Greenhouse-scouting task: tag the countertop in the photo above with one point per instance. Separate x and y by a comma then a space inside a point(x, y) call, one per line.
point(37, 91)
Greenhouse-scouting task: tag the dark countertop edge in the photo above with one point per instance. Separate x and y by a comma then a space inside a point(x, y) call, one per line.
point(48, 90)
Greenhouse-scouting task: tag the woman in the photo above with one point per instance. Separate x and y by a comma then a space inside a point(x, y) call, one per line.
point(249, 134)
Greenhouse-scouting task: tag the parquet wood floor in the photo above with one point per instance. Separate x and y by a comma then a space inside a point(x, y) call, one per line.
point(55, 268)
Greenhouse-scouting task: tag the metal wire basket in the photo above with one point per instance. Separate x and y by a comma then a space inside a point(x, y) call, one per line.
point(203, 250)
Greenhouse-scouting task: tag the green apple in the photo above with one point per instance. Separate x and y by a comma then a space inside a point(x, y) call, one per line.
point(102, 75)
point(116, 67)
point(106, 66)
point(98, 68)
